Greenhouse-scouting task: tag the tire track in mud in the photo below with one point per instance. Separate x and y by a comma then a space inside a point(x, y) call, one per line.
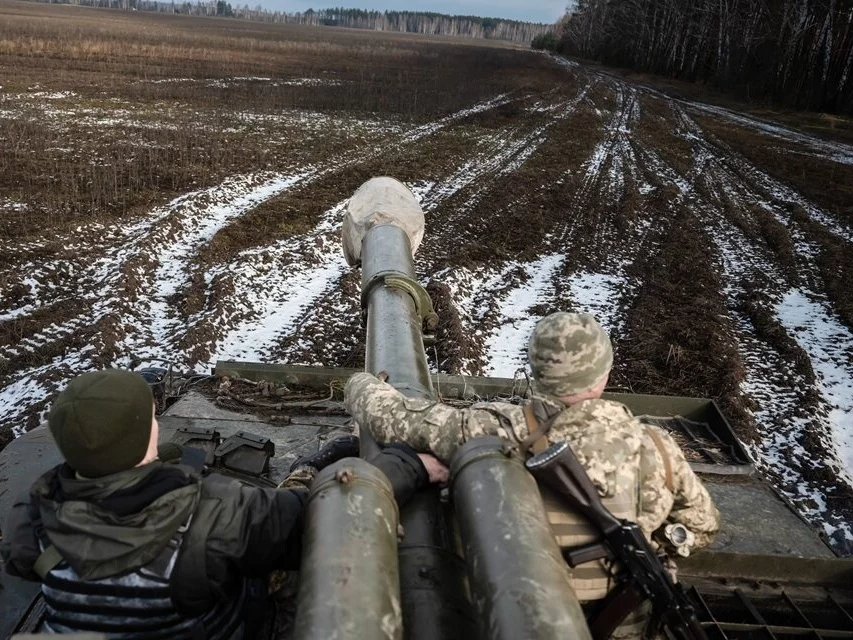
point(499, 303)
point(799, 442)
point(501, 306)
point(460, 195)
point(123, 297)
point(576, 236)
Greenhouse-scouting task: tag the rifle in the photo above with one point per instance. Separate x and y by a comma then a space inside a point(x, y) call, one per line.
point(643, 575)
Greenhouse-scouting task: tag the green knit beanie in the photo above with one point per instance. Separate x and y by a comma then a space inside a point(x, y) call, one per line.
point(101, 422)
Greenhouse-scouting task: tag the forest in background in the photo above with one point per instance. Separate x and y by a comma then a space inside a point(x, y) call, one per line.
point(798, 53)
point(427, 23)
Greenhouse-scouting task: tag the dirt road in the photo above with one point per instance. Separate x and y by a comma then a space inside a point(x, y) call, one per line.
point(700, 237)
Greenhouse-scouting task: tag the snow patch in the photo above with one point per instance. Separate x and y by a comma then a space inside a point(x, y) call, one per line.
point(830, 346)
point(598, 294)
point(40, 95)
point(9, 205)
point(56, 95)
point(563, 62)
point(507, 345)
point(311, 82)
point(223, 83)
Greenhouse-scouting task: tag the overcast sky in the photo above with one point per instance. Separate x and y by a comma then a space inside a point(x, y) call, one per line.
point(529, 10)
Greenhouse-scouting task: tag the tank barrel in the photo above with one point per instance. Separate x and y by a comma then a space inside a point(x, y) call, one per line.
point(382, 229)
point(349, 584)
point(394, 327)
point(518, 577)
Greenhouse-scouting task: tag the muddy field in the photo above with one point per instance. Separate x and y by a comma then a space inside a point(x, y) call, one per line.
point(157, 210)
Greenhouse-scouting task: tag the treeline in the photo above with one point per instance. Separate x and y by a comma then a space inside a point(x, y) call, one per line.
point(797, 52)
point(399, 21)
point(423, 22)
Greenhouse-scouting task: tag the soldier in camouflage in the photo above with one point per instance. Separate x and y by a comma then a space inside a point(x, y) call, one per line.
point(639, 470)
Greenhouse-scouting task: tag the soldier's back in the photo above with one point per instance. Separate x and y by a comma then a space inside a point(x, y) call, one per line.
point(606, 438)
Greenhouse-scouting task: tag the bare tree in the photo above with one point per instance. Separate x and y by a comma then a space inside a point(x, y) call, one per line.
point(797, 52)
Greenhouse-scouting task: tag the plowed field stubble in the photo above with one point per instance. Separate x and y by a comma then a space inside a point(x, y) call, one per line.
point(171, 189)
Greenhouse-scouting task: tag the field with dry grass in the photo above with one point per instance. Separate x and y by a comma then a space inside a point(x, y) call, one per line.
point(171, 189)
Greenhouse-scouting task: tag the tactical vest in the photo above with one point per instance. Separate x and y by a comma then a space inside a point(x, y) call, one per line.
point(593, 580)
point(135, 605)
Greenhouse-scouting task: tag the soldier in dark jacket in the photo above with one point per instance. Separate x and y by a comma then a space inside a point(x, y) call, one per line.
point(132, 547)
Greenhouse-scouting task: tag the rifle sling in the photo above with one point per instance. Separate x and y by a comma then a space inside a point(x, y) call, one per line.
point(536, 440)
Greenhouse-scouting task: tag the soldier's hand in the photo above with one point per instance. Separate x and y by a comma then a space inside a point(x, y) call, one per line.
point(438, 472)
point(670, 567)
point(299, 478)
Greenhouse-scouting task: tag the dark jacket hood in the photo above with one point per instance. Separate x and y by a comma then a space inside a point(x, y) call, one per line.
point(107, 526)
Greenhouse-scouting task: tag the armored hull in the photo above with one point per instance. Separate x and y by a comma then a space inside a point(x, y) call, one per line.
point(768, 574)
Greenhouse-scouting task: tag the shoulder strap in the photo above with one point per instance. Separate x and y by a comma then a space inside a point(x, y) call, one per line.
point(47, 561)
point(49, 557)
point(667, 464)
point(535, 442)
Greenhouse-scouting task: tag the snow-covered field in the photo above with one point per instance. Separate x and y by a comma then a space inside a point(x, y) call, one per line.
point(559, 200)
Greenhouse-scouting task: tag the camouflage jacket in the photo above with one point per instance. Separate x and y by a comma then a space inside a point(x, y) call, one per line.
point(614, 447)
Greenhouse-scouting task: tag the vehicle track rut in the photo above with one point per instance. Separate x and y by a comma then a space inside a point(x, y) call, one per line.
point(557, 200)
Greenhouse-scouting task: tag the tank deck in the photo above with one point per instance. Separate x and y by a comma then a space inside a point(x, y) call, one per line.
point(762, 539)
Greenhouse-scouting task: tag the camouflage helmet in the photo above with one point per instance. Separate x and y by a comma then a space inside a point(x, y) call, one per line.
point(569, 353)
